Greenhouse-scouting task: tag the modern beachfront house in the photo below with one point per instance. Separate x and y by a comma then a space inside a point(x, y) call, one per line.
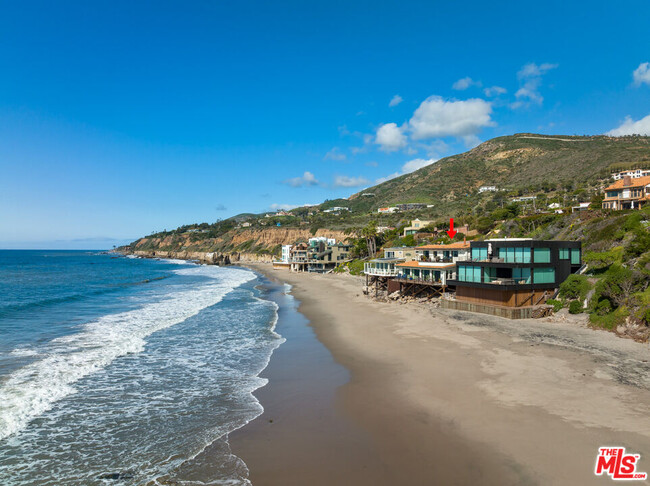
point(298, 257)
point(514, 272)
point(319, 255)
point(323, 257)
point(285, 258)
point(380, 270)
point(627, 193)
point(434, 266)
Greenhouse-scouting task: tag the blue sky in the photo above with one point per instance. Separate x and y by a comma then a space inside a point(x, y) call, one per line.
point(122, 118)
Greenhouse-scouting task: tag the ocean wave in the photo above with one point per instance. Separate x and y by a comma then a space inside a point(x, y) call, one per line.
point(8, 310)
point(33, 389)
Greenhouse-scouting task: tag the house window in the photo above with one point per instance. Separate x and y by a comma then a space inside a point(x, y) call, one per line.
point(521, 275)
point(543, 275)
point(564, 253)
point(515, 255)
point(542, 255)
point(489, 274)
point(469, 274)
point(478, 254)
point(522, 255)
point(575, 256)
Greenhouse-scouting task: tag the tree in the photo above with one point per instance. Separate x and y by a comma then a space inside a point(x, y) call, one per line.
point(369, 232)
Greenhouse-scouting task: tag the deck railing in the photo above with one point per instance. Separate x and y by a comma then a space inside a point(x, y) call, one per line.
point(380, 272)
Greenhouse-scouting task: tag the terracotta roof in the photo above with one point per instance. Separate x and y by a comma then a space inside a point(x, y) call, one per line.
point(638, 182)
point(426, 265)
point(452, 246)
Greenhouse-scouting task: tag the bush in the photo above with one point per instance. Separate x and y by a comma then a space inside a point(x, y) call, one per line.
point(575, 307)
point(604, 259)
point(611, 320)
point(618, 284)
point(639, 245)
point(603, 307)
point(557, 304)
point(575, 287)
point(355, 267)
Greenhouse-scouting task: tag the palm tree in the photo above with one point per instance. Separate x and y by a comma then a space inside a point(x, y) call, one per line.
point(369, 232)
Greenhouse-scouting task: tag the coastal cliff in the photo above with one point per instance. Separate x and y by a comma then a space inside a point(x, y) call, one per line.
point(237, 245)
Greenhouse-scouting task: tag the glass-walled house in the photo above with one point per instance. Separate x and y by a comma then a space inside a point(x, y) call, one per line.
point(515, 272)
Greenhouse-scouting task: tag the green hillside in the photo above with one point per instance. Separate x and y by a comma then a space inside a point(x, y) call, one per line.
point(522, 162)
point(559, 168)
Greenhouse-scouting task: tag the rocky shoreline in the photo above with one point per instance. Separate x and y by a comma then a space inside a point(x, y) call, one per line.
point(208, 258)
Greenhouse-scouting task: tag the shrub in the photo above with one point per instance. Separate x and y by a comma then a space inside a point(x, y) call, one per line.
point(575, 307)
point(602, 260)
point(611, 320)
point(603, 307)
point(557, 304)
point(618, 284)
point(575, 287)
point(639, 245)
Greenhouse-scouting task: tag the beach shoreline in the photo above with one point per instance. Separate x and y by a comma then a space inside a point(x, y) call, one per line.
point(443, 397)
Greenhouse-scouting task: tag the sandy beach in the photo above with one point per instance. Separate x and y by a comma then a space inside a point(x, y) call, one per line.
point(389, 393)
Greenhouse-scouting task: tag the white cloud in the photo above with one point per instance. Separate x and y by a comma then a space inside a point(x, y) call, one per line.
point(642, 74)
point(372, 163)
point(530, 80)
point(407, 168)
point(307, 179)
point(390, 137)
point(631, 127)
point(335, 154)
point(346, 181)
point(436, 117)
point(464, 83)
point(396, 100)
point(494, 91)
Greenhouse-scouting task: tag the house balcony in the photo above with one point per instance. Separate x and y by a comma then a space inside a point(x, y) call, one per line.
point(380, 272)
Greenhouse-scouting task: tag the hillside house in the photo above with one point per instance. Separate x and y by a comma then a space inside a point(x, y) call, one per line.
point(627, 193)
point(416, 226)
point(391, 209)
point(633, 173)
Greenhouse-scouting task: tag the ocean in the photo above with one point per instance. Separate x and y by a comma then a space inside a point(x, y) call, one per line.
point(118, 370)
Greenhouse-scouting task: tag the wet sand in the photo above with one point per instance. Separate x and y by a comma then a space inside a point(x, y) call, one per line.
point(376, 393)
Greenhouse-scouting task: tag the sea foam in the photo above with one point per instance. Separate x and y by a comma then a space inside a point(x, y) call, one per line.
point(30, 391)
